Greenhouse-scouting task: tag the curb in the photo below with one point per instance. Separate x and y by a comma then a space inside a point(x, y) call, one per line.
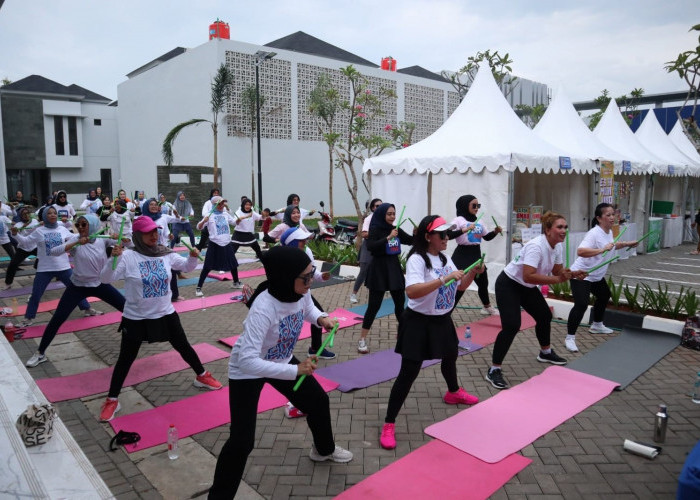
point(561, 309)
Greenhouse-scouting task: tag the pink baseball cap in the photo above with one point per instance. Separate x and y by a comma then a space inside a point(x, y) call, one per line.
point(144, 224)
point(439, 225)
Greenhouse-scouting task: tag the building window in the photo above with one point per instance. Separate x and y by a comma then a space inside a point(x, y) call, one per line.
point(58, 135)
point(97, 122)
point(73, 135)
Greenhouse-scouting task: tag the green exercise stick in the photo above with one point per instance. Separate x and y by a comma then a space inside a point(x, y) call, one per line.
point(478, 262)
point(119, 242)
point(337, 264)
point(642, 238)
point(184, 242)
point(411, 221)
point(320, 350)
point(615, 240)
point(496, 223)
point(595, 268)
point(401, 217)
point(476, 221)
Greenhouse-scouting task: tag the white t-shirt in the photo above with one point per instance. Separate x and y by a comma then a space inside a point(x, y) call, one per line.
point(536, 253)
point(91, 206)
point(437, 302)
point(246, 221)
point(206, 209)
point(595, 238)
point(219, 230)
point(26, 245)
point(45, 239)
point(279, 230)
point(163, 229)
point(270, 332)
point(88, 260)
point(280, 215)
point(115, 223)
point(146, 282)
point(65, 211)
point(5, 224)
point(7, 210)
point(365, 223)
point(473, 237)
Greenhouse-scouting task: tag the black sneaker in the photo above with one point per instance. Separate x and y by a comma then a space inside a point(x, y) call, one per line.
point(325, 354)
point(552, 357)
point(496, 379)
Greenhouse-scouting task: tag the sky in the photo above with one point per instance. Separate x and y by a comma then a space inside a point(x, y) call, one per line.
point(580, 46)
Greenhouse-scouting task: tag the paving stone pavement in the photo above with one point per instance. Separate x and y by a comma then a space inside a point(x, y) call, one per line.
point(582, 458)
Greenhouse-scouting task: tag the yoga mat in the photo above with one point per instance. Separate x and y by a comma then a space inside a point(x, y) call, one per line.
point(386, 308)
point(110, 318)
point(624, 358)
point(335, 280)
point(371, 369)
point(526, 321)
point(514, 418)
point(250, 273)
point(192, 415)
point(481, 334)
point(200, 266)
point(26, 290)
point(345, 319)
point(437, 470)
point(148, 368)
point(49, 305)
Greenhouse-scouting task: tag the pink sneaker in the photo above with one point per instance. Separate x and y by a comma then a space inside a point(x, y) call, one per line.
point(291, 411)
point(109, 408)
point(207, 380)
point(460, 397)
point(388, 439)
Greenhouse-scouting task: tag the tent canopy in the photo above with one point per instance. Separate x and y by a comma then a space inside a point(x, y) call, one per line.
point(655, 140)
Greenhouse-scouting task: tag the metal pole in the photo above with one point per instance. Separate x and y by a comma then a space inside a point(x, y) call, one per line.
point(257, 119)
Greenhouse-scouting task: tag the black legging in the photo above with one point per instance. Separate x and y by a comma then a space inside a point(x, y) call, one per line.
point(19, 257)
point(375, 302)
point(131, 343)
point(510, 296)
point(407, 375)
point(10, 249)
point(463, 257)
point(316, 332)
point(203, 239)
point(255, 246)
point(243, 401)
point(581, 290)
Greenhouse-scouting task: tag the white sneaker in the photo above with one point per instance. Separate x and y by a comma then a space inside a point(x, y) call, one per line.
point(237, 285)
point(198, 293)
point(492, 311)
point(7, 287)
point(599, 328)
point(362, 346)
point(571, 344)
point(339, 455)
point(221, 272)
point(25, 323)
point(92, 312)
point(36, 359)
point(353, 298)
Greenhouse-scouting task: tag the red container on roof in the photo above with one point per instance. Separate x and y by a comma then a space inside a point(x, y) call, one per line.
point(388, 63)
point(219, 29)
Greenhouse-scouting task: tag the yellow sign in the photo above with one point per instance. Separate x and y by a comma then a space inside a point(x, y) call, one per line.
point(606, 183)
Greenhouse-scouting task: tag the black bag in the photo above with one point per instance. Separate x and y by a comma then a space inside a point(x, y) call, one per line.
point(690, 337)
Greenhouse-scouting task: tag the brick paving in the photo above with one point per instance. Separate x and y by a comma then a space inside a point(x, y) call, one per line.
point(582, 458)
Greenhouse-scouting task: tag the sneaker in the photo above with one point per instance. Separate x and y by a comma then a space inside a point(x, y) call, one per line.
point(221, 272)
point(362, 346)
point(7, 287)
point(237, 285)
point(601, 328)
point(25, 323)
point(460, 397)
point(291, 411)
point(36, 359)
point(198, 293)
point(339, 455)
point(325, 354)
point(353, 298)
point(489, 311)
point(388, 438)
point(496, 379)
point(694, 252)
point(571, 344)
point(109, 408)
point(207, 380)
point(92, 312)
point(552, 357)
point(179, 299)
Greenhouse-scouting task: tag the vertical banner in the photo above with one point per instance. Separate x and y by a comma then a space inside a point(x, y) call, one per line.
point(606, 183)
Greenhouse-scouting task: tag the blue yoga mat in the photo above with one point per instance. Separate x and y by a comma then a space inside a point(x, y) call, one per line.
point(386, 309)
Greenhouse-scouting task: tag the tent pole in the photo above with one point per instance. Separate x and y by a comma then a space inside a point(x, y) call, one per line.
point(430, 192)
point(509, 217)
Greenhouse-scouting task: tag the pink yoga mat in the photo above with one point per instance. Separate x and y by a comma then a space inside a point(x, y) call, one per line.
point(192, 415)
point(251, 273)
point(514, 418)
point(97, 381)
point(345, 319)
point(437, 470)
point(481, 334)
point(526, 321)
point(80, 324)
point(49, 305)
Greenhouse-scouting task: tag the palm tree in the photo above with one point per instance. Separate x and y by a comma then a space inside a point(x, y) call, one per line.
point(220, 92)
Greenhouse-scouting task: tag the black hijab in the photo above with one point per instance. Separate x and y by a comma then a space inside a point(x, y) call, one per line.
point(243, 204)
point(287, 219)
point(379, 227)
point(463, 207)
point(282, 266)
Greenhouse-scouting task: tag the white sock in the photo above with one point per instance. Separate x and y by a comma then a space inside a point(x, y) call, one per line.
point(546, 351)
point(202, 374)
point(597, 324)
point(571, 337)
point(494, 368)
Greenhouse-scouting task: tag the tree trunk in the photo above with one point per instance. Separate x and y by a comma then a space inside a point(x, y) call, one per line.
point(252, 170)
point(216, 155)
point(330, 181)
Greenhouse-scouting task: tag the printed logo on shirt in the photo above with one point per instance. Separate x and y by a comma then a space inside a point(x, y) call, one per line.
point(393, 246)
point(472, 235)
point(446, 294)
point(154, 279)
point(52, 240)
point(62, 214)
point(289, 330)
point(221, 224)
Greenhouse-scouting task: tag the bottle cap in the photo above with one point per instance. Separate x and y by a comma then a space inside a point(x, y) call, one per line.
point(172, 425)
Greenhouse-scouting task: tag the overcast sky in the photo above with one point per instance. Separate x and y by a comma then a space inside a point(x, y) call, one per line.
point(585, 46)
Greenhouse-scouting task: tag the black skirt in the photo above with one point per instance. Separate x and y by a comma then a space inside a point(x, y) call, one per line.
point(422, 337)
point(465, 255)
point(384, 273)
point(244, 238)
point(152, 330)
point(220, 258)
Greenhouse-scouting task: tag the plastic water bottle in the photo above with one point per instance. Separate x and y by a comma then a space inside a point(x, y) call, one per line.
point(9, 330)
point(696, 390)
point(545, 290)
point(468, 337)
point(173, 452)
point(660, 424)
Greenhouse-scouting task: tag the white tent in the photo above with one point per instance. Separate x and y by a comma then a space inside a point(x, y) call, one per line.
point(474, 152)
point(655, 140)
point(679, 139)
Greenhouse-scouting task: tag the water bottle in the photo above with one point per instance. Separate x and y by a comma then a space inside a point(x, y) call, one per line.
point(468, 337)
point(9, 330)
point(545, 290)
point(173, 452)
point(696, 390)
point(660, 424)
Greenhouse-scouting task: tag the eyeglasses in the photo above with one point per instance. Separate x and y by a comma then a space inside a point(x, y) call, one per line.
point(308, 277)
point(443, 234)
point(374, 207)
point(476, 205)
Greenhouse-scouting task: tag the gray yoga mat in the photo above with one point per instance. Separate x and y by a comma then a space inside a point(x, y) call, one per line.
point(624, 358)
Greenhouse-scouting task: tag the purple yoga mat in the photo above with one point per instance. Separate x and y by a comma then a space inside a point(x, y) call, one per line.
point(26, 290)
point(372, 369)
